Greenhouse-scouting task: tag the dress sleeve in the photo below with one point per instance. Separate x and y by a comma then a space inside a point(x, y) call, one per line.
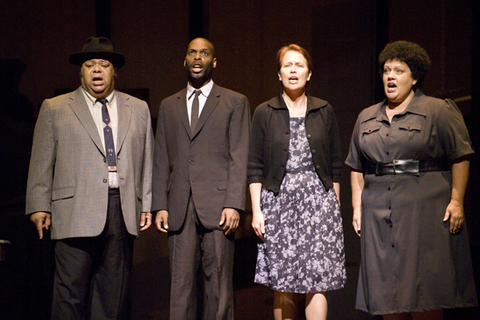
point(453, 132)
point(354, 157)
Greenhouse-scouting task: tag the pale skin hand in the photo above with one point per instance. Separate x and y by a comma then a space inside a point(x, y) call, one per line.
point(357, 181)
point(162, 217)
point(230, 218)
point(41, 220)
point(145, 221)
point(454, 210)
point(258, 221)
point(336, 187)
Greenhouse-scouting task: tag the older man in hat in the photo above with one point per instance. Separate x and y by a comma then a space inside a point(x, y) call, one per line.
point(90, 180)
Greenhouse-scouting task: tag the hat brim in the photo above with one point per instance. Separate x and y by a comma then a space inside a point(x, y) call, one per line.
point(117, 59)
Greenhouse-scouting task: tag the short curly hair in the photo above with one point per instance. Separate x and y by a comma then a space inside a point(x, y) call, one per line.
point(408, 52)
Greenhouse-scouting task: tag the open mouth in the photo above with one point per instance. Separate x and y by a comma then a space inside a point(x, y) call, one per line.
point(391, 87)
point(197, 68)
point(97, 81)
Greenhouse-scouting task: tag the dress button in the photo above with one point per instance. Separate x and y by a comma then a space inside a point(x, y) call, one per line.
point(389, 189)
point(308, 136)
point(388, 153)
point(389, 208)
point(190, 161)
point(313, 151)
point(104, 180)
point(393, 246)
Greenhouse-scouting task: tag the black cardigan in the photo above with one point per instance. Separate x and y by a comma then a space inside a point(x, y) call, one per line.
point(270, 137)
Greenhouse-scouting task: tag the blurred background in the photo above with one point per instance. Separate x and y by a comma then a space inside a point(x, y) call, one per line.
point(344, 38)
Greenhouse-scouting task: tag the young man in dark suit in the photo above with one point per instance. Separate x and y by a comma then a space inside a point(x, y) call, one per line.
point(199, 184)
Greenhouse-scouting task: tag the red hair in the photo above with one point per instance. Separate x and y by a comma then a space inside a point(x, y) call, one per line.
point(294, 47)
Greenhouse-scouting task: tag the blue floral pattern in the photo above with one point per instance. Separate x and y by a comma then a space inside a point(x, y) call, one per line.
point(303, 250)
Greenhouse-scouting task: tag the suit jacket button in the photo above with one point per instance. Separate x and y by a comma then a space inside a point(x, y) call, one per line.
point(104, 180)
point(104, 160)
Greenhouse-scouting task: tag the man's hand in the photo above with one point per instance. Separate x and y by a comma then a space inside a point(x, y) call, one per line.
point(145, 221)
point(41, 220)
point(230, 219)
point(162, 217)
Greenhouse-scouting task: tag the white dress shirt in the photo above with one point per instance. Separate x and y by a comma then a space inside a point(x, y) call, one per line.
point(96, 111)
point(202, 98)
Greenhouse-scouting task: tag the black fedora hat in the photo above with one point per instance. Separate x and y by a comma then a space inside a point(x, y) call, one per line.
point(98, 48)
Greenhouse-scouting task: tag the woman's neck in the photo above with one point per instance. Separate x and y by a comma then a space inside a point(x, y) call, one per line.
point(296, 104)
point(394, 108)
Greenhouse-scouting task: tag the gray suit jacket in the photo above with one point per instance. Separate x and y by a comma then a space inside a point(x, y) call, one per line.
point(211, 161)
point(68, 174)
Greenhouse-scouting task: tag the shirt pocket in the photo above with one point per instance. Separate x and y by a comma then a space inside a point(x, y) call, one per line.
point(410, 129)
point(372, 128)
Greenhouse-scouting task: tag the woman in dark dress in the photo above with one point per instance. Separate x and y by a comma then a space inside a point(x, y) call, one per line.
point(410, 159)
point(294, 172)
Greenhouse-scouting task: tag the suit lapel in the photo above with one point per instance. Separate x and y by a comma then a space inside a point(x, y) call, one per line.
point(182, 111)
point(210, 105)
point(79, 106)
point(124, 110)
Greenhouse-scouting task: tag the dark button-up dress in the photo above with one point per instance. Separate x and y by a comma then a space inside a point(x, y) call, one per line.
point(410, 261)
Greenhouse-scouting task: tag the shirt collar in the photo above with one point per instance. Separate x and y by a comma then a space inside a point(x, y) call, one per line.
point(279, 103)
point(417, 106)
point(206, 89)
point(91, 100)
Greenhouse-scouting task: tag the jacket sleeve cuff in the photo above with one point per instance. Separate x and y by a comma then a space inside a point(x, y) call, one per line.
point(253, 179)
point(336, 178)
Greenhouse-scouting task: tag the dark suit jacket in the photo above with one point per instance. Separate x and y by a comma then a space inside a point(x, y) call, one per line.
point(211, 161)
point(68, 171)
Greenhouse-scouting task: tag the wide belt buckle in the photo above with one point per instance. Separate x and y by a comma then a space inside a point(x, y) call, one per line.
point(409, 166)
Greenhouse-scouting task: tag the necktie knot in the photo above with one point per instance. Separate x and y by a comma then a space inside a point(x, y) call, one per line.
point(103, 101)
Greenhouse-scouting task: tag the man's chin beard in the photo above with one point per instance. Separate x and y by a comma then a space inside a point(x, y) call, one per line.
point(200, 79)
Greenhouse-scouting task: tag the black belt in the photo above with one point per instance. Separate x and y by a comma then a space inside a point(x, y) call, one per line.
point(408, 166)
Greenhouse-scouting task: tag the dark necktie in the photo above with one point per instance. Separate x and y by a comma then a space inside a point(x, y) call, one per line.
point(195, 107)
point(108, 135)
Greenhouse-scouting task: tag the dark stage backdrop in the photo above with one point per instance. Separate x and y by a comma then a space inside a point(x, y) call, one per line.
point(344, 38)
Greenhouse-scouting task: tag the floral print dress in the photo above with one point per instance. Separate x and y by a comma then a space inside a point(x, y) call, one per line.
point(303, 248)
